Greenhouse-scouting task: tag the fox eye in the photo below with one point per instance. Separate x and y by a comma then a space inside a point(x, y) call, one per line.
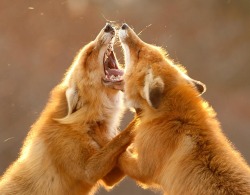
point(138, 53)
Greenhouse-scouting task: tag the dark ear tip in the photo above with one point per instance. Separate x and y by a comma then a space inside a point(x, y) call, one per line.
point(201, 87)
point(204, 88)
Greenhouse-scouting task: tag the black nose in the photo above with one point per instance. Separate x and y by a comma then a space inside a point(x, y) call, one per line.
point(124, 26)
point(108, 28)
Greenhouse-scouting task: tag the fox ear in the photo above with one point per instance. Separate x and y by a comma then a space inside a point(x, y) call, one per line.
point(72, 99)
point(155, 96)
point(153, 89)
point(201, 87)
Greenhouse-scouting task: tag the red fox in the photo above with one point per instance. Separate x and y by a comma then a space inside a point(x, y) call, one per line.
point(60, 155)
point(179, 146)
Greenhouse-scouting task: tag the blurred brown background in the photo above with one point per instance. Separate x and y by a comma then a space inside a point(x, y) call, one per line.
point(38, 40)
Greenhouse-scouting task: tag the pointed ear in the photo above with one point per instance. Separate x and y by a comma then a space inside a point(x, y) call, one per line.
point(155, 96)
point(153, 89)
point(72, 99)
point(201, 87)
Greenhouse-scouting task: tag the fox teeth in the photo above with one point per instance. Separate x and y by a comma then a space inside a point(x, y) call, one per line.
point(115, 78)
point(119, 77)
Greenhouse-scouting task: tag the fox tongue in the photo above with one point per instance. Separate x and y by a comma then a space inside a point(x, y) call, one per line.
point(110, 63)
point(114, 72)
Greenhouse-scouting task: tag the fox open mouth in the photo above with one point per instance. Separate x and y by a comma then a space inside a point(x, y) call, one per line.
point(111, 70)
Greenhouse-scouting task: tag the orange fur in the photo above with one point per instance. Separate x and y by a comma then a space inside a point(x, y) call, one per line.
point(60, 154)
point(179, 146)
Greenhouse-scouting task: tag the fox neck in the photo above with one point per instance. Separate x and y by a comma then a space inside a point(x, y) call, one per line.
point(183, 102)
point(101, 105)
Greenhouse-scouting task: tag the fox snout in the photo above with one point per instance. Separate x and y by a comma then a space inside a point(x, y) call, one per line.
point(124, 33)
point(108, 28)
point(124, 26)
point(128, 36)
point(131, 44)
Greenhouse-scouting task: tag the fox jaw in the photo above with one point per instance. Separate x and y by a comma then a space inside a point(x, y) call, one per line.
point(155, 73)
point(94, 78)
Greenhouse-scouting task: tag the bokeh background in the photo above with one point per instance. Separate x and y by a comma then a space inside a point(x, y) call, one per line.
point(38, 40)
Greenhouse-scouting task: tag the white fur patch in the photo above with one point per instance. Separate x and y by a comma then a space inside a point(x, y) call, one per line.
point(114, 109)
point(32, 154)
point(72, 98)
point(132, 104)
point(127, 56)
point(122, 34)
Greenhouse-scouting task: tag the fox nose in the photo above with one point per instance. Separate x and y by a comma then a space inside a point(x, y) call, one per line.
point(108, 28)
point(124, 26)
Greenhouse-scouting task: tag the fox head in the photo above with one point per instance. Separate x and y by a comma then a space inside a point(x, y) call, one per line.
point(94, 79)
point(150, 76)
